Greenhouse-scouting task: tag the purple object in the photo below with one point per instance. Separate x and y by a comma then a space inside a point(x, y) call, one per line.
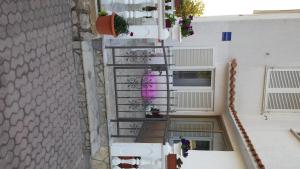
point(149, 86)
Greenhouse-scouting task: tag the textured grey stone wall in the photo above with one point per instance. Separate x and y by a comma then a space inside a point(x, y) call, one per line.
point(77, 9)
point(39, 115)
point(81, 20)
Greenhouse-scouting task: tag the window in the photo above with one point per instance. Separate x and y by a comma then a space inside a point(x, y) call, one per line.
point(282, 90)
point(197, 144)
point(200, 145)
point(192, 78)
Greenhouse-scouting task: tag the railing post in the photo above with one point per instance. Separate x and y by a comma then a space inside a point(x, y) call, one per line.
point(116, 101)
point(114, 55)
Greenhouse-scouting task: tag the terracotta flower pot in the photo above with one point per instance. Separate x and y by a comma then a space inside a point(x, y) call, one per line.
point(105, 25)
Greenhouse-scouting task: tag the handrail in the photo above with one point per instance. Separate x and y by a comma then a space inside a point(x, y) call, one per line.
point(168, 92)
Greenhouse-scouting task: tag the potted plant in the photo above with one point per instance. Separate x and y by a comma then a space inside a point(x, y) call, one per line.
point(185, 146)
point(170, 21)
point(112, 24)
point(186, 27)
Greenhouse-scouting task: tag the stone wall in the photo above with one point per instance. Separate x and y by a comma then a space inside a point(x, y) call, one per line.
point(83, 14)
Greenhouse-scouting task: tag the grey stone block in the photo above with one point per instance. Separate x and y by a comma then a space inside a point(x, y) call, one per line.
point(3, 20)
point(8, 7)
point(21, 70)
point(6, 43)
point(1, 109)
point(14, 29)
point(12, 18)
point(5, 67)
point(21, 38)
point(9, 157)
point(4, 138)
point(17, 116)
point(12, 98)
point(2, 32)
point(16, 61)
point(21, 81)
point(26, 89)
point(24, 100)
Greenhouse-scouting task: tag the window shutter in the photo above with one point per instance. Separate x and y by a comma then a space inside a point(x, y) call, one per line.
point(192, 57)
point(282, 90)
point(194, 100)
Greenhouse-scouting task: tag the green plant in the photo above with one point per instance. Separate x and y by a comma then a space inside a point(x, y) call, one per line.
point(190, 7)
point(121, 26)
point(172, 18)
point(186, 27)
point(185, 146)
point(102, 13)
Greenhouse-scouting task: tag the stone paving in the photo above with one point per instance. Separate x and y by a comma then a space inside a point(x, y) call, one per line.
point(39, 115)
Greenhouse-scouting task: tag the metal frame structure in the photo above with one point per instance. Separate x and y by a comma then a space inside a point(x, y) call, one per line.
point(130, 106)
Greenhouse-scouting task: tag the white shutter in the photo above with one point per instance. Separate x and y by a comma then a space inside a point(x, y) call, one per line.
point(192, 57)
point(194, 100)
point(282, 90)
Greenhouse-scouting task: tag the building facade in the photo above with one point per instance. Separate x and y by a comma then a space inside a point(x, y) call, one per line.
point(235, 92)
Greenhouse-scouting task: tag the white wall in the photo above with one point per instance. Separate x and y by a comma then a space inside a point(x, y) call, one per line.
point(256, 44)
point(257, 41)
point(212, 160)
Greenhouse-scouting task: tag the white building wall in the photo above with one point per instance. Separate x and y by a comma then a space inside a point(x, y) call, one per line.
point(256, 44)
point(257, 41)
point(212, 160)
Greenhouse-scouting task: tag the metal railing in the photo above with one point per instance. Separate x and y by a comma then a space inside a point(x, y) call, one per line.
point(142, 92)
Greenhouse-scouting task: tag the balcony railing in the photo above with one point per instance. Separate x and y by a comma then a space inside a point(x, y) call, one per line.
point(142, 92)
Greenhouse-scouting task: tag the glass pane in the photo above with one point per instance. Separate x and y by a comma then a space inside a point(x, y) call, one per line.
point(202, 145)
point(192, 78)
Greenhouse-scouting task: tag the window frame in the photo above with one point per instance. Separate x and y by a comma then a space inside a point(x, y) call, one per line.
point(181, 80)
point(212, 80)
